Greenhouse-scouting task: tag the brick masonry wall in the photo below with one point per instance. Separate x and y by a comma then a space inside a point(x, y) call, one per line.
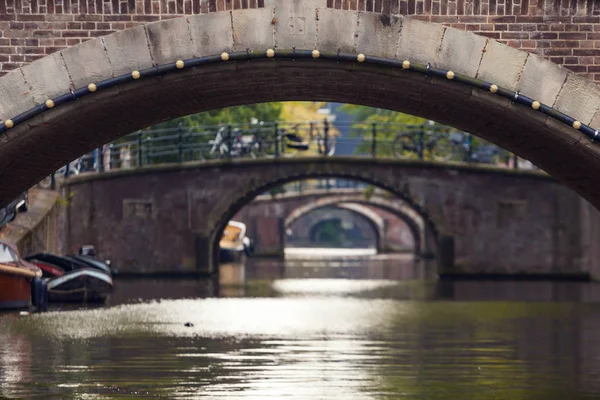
point(565, 31)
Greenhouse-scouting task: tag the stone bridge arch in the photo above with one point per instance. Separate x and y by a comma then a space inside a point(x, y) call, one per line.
point(475, 205)
point(228, 208)
point(76, 99)
point(361, 214)
point(420, 228)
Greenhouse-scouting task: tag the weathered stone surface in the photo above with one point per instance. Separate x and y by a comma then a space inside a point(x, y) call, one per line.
point(87, 63)
point(253, 29)
point(379, 35)
point(46, 78)
point(595, 122)
point(461, 52)
point(579, 98)
point(335, 31)
point(170, 40)
point(128, 50)
point(420, 41)
point(502, 65)
point(15, 96)
point(211, 35)
point(542, 80)
point(296, 24)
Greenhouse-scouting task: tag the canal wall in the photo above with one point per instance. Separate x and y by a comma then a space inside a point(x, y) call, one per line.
point(40, 229)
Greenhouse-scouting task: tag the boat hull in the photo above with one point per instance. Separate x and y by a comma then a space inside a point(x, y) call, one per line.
point(81, 286)
point(15, 288)
point(231, 255)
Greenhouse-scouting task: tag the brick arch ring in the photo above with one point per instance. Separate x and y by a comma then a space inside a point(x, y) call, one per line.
point(404, 212)
point(87, 95)
point(159, 70)
point(231, 207)
point(359, 212)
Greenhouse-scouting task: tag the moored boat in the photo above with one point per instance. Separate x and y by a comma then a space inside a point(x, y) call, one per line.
point(20, 282)
point(74, 280)
point(82, 285)
point(234, 245)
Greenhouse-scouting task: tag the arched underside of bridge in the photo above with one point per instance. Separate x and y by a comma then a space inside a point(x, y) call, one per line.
point(324, 170)
point(359, 215)
point(410, 217)
point(37, 136)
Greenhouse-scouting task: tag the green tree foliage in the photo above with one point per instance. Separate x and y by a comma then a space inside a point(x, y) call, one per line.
point(198, 130)
point(389, 124)
point(267, 112)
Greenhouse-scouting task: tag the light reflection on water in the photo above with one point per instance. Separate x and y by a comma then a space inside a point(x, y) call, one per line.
point(274, 335)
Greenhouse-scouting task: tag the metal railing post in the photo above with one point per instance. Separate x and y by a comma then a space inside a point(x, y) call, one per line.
point(229, 141)
point(374, 141)
point(148, 149)
point(139, 152)
point(110, 156)
point(469, 154)
point(325, 137)
point(276, 140)
point(421, 141)
point(180, 140)
point(101, 159)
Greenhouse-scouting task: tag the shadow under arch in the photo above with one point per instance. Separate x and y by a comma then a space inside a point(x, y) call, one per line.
point(415, 222)
point(235, 205)
point(372, 219)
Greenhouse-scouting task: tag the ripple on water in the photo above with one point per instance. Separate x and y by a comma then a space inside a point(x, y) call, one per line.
point(312, 342)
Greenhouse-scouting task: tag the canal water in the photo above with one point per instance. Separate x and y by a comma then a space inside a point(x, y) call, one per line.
point(371, 328)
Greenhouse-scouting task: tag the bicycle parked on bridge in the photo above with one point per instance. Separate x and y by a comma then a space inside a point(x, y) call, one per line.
point(423, 139)
point(228, 143)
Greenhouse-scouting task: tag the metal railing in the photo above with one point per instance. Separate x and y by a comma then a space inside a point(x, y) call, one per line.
point(429, 141)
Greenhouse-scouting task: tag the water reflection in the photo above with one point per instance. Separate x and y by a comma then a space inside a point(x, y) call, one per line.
point(291, 332)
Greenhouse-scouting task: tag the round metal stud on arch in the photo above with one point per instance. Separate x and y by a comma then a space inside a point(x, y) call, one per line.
point(402, 69)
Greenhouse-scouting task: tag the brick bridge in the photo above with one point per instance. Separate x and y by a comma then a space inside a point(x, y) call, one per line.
point(268, 217)
point(504, 221)
point(435, 59)
point(359, 227)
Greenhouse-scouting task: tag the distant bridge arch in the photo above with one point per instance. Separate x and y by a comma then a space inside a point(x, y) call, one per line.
point(419, 227)
point(305, 226)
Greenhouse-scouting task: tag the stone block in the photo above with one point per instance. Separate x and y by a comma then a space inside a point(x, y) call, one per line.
point(128, 50)
point(595, 122)
point(15, 95)
point(542, 80)
point(87, 63)
point(211, 33)
point(336, 31)
point(378, 34)
point(579, 98)
point(170, 40)
point(502, 65)
point(253, 29)
point(47, 78)
point(420, 41)
point(296, 24)
point(461, 52)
